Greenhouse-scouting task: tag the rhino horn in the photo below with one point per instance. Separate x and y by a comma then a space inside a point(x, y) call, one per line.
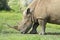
point(14, 27)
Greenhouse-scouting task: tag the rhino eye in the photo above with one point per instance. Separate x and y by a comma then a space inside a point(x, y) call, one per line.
point(28, 11)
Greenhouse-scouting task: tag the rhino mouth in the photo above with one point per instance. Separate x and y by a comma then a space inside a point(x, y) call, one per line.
point(25, 29)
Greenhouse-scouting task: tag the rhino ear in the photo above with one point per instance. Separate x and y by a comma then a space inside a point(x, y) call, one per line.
point(28, 11)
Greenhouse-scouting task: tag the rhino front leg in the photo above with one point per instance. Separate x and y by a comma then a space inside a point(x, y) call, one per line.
point(42, 24)
point(34, 31)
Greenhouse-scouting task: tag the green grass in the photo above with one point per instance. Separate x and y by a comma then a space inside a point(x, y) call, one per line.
point(9, 18)
point(11, 34)
point(28, 37)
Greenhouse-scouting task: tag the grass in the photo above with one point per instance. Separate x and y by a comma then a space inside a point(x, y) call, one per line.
point(9, 18)
point(28, 37)
point(12, 18)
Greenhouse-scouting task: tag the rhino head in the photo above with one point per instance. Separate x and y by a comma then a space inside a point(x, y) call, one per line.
point(26, 23)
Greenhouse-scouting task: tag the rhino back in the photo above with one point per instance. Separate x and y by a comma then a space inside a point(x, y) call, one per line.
point(48, 9)
point(41, 9)
point(53, 9)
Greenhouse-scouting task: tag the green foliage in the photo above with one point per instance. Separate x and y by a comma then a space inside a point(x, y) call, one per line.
point(14, 5)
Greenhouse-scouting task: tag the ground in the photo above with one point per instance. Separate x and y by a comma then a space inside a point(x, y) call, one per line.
point(12, 18)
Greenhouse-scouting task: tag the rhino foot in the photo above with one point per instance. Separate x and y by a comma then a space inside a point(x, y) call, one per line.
point(33, 32)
